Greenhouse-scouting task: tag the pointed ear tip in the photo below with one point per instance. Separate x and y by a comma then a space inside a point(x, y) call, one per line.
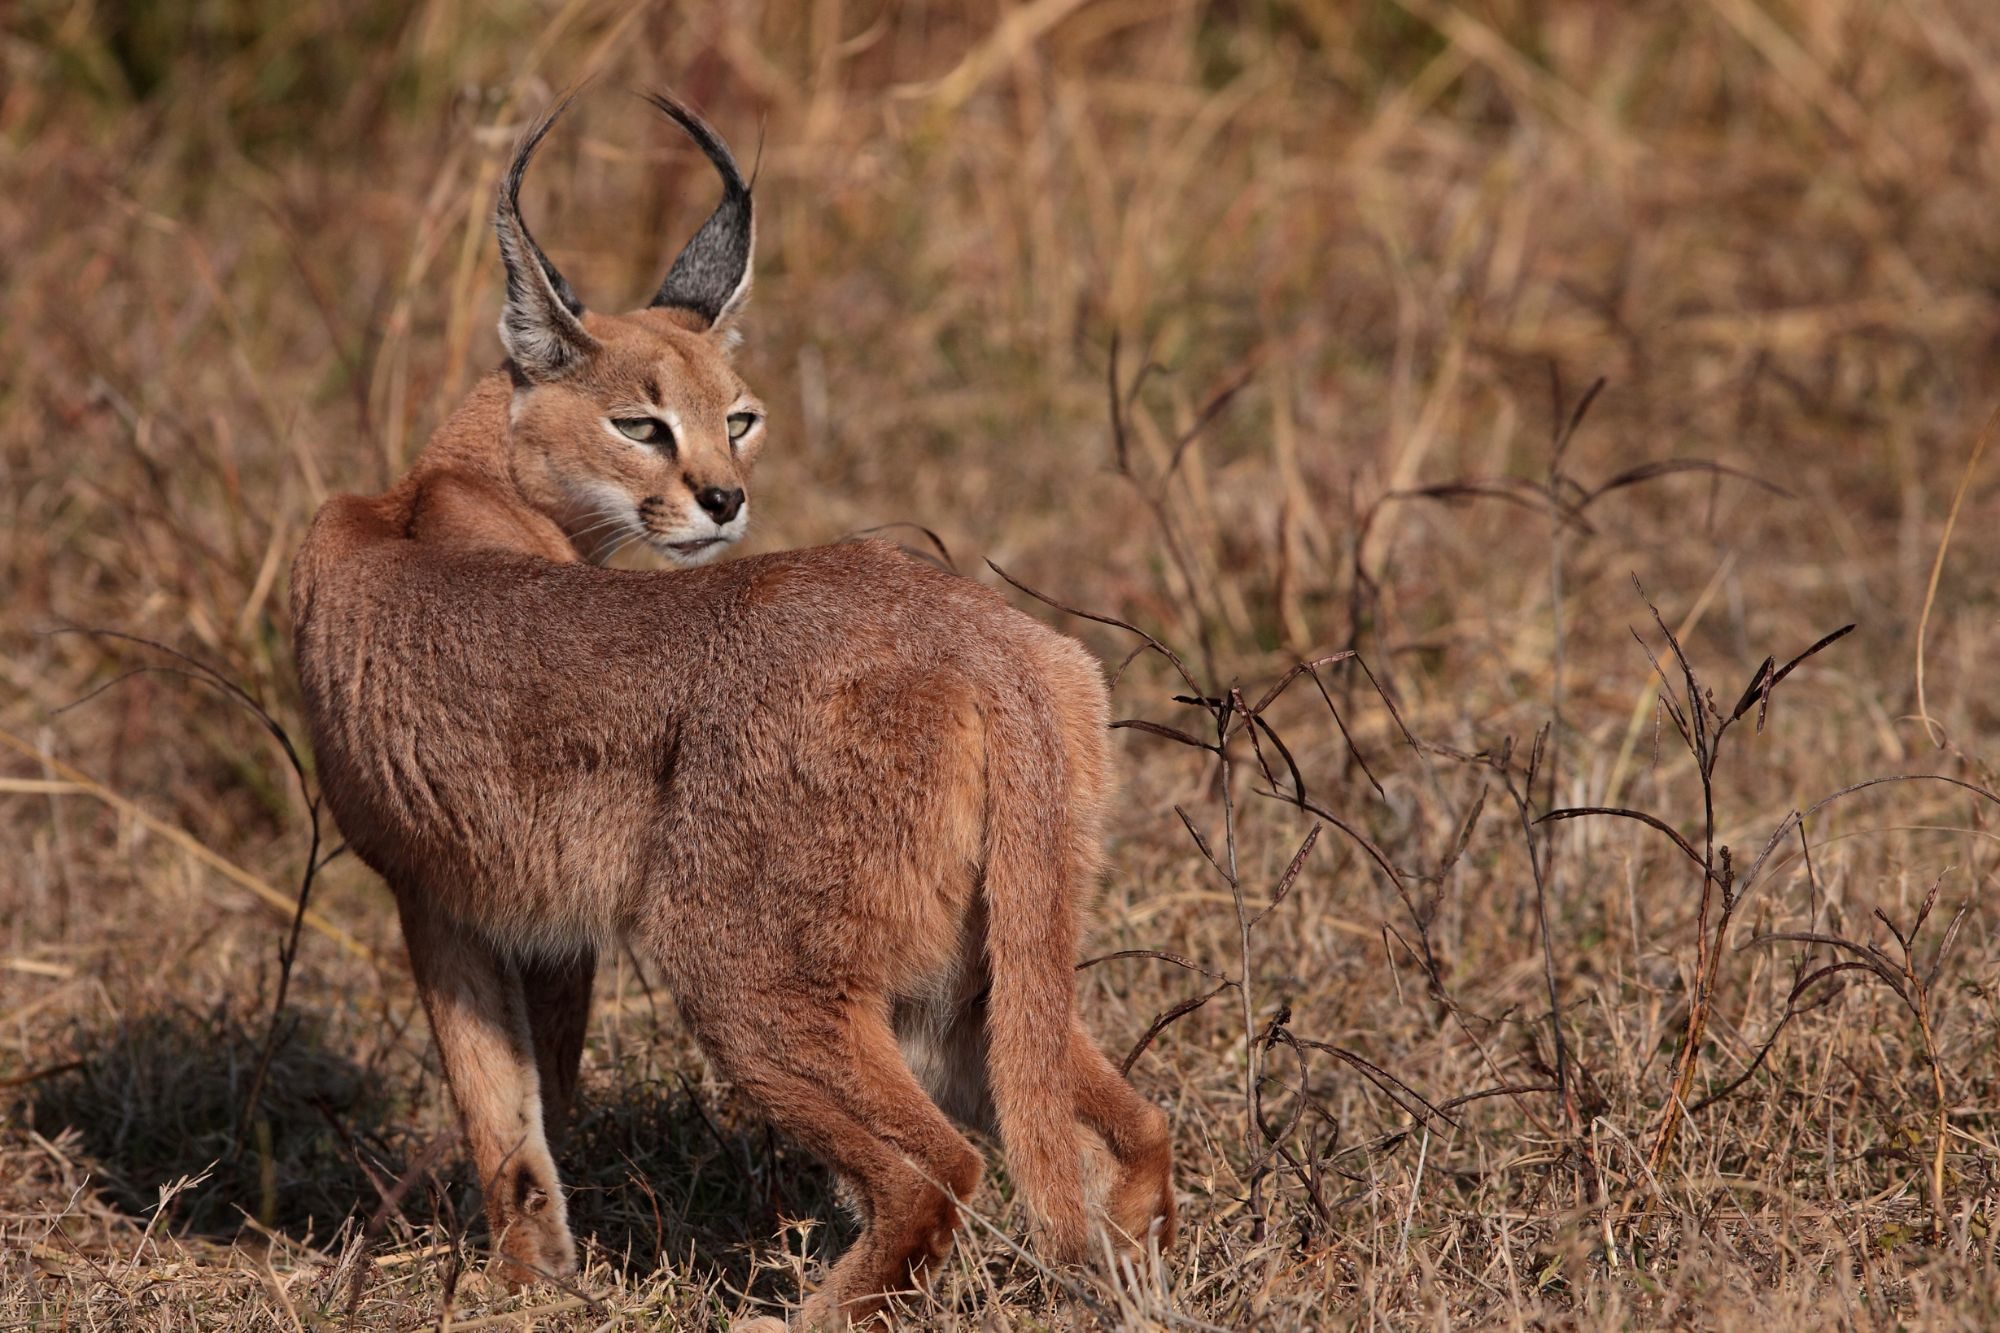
point(524, 152)
point(670, 106)
point(710, 140)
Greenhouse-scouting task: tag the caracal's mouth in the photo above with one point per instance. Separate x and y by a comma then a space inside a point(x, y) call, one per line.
point(690, 551)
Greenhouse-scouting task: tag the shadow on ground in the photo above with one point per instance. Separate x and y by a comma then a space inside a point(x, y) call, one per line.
point(157, 1098)
point(657, 1172)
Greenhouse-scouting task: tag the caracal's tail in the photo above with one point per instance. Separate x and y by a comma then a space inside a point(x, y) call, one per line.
point(1047, 773)
point(1032, 925)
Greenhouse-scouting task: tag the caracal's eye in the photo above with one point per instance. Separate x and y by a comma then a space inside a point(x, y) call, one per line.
point(740, 424)
point(645, 430)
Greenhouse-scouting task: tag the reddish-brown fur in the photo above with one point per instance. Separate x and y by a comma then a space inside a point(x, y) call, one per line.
point(848, 804)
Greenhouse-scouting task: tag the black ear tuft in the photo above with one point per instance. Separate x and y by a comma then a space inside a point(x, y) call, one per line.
point(712, 275)
point(540, 324)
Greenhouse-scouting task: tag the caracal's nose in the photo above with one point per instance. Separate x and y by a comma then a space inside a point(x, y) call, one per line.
point(721, 504)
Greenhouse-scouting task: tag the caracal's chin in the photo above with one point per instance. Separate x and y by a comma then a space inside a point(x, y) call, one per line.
point(692, 554)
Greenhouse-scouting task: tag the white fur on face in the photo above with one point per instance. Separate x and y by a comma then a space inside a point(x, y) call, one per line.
point(604, 521)
point(689, 522)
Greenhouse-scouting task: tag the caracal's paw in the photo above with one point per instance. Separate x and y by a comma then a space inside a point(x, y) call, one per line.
point(762, 1323)
point(534, 1249)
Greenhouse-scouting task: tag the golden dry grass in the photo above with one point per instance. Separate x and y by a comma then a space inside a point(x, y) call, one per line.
point(246, 263)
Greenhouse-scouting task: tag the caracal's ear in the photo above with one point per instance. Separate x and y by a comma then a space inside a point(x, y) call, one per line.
point(711, 277)
point(541, 324)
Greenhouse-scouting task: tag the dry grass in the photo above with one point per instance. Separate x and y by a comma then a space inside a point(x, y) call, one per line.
point(245, 263)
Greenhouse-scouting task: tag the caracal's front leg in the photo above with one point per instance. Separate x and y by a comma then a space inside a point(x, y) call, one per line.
point(479, 1019)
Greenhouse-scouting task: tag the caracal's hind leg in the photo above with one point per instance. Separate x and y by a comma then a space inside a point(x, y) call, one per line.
point(1140, 1199)
point(479, 1019)
point(556, 994)
point(825, 1067)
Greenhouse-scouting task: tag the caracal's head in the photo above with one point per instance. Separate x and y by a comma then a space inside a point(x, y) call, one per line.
point(634, 427)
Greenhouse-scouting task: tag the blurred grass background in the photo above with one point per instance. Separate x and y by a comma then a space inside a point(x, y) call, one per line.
point(246, 260)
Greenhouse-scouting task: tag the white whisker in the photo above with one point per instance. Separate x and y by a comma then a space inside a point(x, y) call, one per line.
point(630, 537)
point(617, 542)
point(603, 519)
